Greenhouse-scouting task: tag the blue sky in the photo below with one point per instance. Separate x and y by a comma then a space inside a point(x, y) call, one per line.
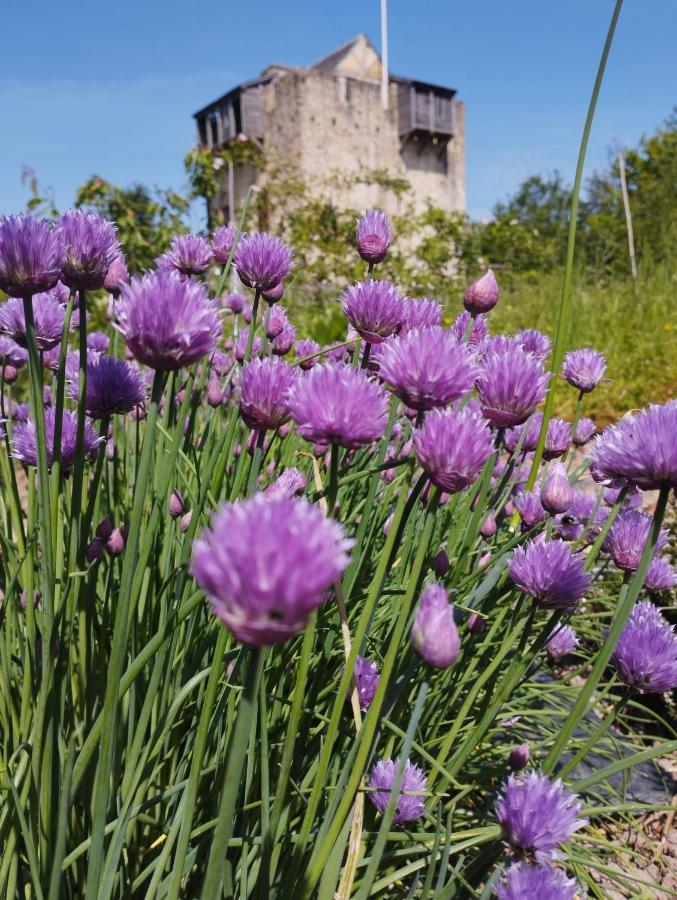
point(89, 88)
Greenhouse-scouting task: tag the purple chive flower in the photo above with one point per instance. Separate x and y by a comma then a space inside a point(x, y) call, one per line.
point(536, 815)
point(563, 642)
point(167, 322)
point(31, 255)
point(288, 484)
point(336, 404)
point(189, 254)
point(284, 341)
point(305, 348)
point(551, 573)
point(569, 525)
point(266, 563)
point(11, 354)
point(337, 354)
point(113, 387)
point(557, 438)
point(585, 430)
point(640, 450)
point(176, 505)
point(263, 396)
point(501, 343)
point(519, 757)
point(48, 315)
point(478, 333)
point(535, 342)
point(557, 494)
point(434, 635)
point(374, 309)
point(26, 440)
point(428, 367)
point(482, 295)
point(277, 321)
point(90, 246)
point(374, 236)
point(531, 430)
point(366, 677)
point(222, 243)
point(523, 881)
point(410, 804)
point(583, 369)
point(452, 446)
point(660, 576)
point(631, 500)
point(423, 313)
point(627, 538)
point(116, 276)
point(98, 342)
point(262, 261)
point(646, 653)
point(510, 387)
point(235, 303)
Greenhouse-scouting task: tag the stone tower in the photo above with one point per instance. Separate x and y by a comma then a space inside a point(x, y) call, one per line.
point(328, 118)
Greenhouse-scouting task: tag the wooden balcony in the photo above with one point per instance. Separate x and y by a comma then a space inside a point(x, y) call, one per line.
point(426, 109)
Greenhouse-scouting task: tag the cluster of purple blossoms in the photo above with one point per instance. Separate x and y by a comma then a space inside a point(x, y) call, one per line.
point(627, 539)
point(48, 317)
point(563, 642)
point(535, 342)
point(646, 653)
point(374, 309)
point(476, 334)
point(550, 573)
point(31, 255)
point(167, 322)
point(336, 404)
point(423, 313)
point(300, 553)
point(527, 881)
point(276, 322)
point(428, 367)
point(25, 440)
point(452, 446)
point(434, 635)
point(510, 387)
point(235, 303)
point(585, 431)
point(557, 438)
point(660, 576)
point(90, 247)
point(113, 387)
point(264, 393)
point(366, 677)
point(528, 505)
point(289, 483)
point(410, 805)
point(583, 369)
point(241, 347)
point(284, 341)
point(262, 261)
point(188, 254)
point(305, 348)
point(482, 295)
point(223, 240)
point(374, 236)
point(640, 450)
point(531, 430)
point(536, 815)
point(98, 342)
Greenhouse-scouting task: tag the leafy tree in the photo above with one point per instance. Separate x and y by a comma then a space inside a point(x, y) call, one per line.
point(147, 221)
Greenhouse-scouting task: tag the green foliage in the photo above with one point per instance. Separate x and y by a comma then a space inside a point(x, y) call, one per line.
point(146, 221)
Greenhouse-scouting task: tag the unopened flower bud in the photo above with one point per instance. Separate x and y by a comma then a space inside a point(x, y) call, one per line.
point(274, 294)
point(374, 236)
point(283, 431)
point(110, 450)
point(94, 550)
point(185, 521)
point(482, 295)
point(557, 494)
point(116, 542)
point(440, 563)
point(176, 504)
point(214, 393)
point(488, 528)
point(434, 635)
point(9, 373)
point(519, 757)
point(475, 623)
point(116, 276)
point(104, 529)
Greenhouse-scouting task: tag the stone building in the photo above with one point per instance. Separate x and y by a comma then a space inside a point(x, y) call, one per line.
point(329, 118)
